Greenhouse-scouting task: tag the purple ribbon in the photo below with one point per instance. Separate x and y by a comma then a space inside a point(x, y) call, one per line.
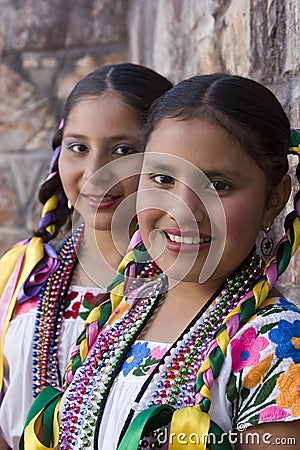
point(46, 267)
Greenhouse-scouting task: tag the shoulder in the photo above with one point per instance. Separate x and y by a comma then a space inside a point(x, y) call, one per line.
point(265, 364)
point(274, 328)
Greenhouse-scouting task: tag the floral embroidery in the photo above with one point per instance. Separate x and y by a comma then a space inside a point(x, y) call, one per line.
point(135, 356)
point(286, 336)
point(266, 388)
point(246, 350)
point(151, 362)
point(73, 312)
point(289, 386)
point(272, 413)
point(256, 373)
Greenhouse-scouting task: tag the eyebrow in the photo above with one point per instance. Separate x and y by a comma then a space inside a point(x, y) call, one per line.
point(116, 138)
point(210, 173)
point(222, 173)
point(156, 167)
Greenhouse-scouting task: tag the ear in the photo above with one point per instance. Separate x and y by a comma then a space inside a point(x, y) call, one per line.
point(277, 200)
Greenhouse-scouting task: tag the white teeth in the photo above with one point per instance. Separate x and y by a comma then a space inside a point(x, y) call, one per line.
point(188, 239)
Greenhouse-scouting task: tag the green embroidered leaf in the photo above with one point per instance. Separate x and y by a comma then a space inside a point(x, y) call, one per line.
point(231, 390)
point(86, 304)
point(266, 390)
point(273, 311)
point(267, 327)
point(66, 305)
point(254, 420)
point(260, 312)
point(244, 393)
point(84, 315)
point(139, 372)
point(149, 362)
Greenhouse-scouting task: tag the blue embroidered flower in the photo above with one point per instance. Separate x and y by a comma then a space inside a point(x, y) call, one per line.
point(287, 305)
point(287, 338)
point(135, 357)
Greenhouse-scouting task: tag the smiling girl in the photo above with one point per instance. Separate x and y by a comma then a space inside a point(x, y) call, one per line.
point(46, 294)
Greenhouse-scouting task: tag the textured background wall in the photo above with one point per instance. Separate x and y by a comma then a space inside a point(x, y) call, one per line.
point(46, 47)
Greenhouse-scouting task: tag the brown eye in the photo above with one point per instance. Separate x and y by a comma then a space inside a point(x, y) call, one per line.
point(124, 150)
point(219, 185)
point(77, 147)
point(163, 179)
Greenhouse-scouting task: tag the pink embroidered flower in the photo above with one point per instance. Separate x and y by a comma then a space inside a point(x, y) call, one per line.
point(272, 413)
point(158, 352)
point(246, 350)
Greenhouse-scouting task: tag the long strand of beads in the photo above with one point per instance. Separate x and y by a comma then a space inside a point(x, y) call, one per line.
point(88, 391)
point(49, 316)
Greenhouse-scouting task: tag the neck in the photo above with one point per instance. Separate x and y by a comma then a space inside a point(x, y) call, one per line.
point(98, 258)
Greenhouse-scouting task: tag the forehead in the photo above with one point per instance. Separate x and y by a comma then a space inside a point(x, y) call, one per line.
point(195, 140)
point(108, 105)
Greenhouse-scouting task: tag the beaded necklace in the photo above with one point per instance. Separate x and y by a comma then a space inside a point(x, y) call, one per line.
point(173, 380)
point(49, 316)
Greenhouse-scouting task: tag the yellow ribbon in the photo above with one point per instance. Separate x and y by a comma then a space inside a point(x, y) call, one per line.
point(50, 205)
point(116, 296)
point(34, 253)
point(189, 429)
point(31, 440)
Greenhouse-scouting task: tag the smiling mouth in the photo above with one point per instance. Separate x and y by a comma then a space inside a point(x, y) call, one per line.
point(192, 240)
point(101, 198)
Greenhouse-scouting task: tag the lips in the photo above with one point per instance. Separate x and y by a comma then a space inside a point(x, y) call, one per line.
point(101, 201)
point(185, 241)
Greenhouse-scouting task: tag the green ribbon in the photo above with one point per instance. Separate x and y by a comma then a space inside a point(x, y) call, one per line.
point(144, 423)
point(294, 138)
point(46, 399)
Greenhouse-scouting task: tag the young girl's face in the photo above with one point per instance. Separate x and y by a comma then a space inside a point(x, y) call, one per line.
point(99, 135)
point(178, 226)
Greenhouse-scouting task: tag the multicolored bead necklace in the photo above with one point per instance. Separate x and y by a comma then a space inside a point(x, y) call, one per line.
point(173, 380)
point(50, 309)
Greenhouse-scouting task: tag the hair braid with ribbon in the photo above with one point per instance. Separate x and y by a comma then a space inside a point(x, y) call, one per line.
point(129, 268)
point(286, 247)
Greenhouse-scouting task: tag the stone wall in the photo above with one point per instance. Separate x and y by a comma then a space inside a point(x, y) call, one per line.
point(45, 47)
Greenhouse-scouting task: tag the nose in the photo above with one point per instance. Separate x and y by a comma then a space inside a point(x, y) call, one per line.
point(96, 169)
point(188, 205)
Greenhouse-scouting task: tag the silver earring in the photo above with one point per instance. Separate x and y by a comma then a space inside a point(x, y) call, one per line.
point(267, 243)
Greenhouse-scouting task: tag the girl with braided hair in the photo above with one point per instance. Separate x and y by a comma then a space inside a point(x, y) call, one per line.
point(195, 348)
point(46, 294)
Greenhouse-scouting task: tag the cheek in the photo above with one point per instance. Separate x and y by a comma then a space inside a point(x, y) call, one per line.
point(68, 179)
point(131, 185)
point(147, 219)
point(244, 221)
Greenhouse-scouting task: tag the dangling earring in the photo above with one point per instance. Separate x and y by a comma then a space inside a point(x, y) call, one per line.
point(70, 206)
point(267, 244)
